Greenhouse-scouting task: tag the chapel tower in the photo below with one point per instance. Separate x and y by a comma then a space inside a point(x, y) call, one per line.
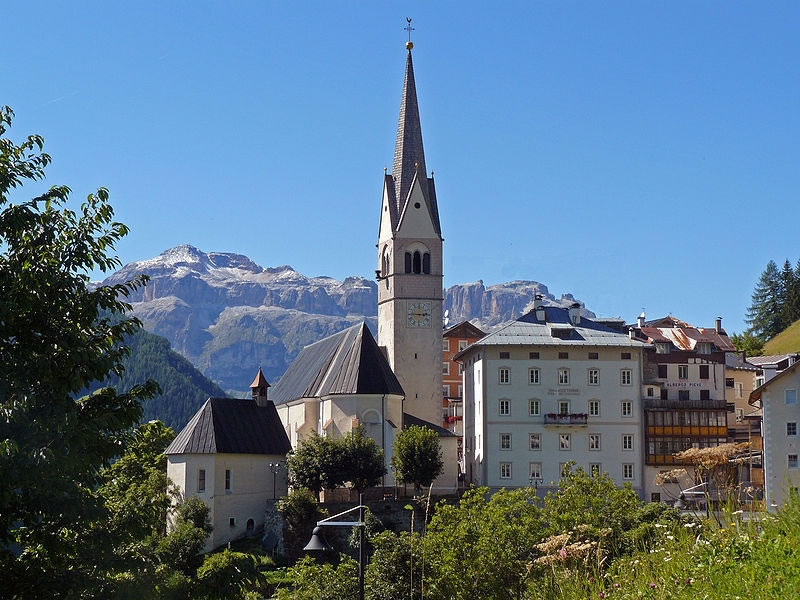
point(410, 266)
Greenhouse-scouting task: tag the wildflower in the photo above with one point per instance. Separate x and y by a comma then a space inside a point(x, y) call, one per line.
point(616, 585)
point(652, 585)
point(601, 594)
point(563, 553)
point(669, 537)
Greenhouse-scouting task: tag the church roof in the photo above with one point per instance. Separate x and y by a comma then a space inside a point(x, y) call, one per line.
point(409, 153)
point(348, 362)
point(232, 426)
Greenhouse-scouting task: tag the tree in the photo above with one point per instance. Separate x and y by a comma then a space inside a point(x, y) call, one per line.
point(182, 549)
point(300, 511)
point(311, 581)
point(316, 464)
point(362, 460)
point(417, 456)
point(748, 343)
point(765, 315)
point(790, 299)
point(57, 336)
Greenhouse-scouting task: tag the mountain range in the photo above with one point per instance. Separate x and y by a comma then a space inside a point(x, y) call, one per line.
point(228, 316)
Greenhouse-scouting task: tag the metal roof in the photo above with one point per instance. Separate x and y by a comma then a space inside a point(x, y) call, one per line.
point(409, 420)
point(232, 426)
point(348, 362)
point(772, 359)
point(528, 330)
point(734, 360)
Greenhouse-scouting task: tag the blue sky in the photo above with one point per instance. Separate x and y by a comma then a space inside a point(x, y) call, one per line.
point(635, 154)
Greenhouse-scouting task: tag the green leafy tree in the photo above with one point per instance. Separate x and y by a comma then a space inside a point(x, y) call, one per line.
point(300, 511)
point(417, 456)
point(765, 315)
point(57, 336)
point(388, 574)
point(182, 549)
point(481, 547)
point(311, 581)
point(362, 463)
point(227, 575)
point(748, 343)
point(316, 464)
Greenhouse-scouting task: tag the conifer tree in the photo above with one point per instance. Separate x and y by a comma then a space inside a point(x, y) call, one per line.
point(789, 295)
point(765, 315)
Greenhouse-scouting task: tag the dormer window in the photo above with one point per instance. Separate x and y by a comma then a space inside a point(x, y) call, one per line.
point(662, 347)
point(704, 347)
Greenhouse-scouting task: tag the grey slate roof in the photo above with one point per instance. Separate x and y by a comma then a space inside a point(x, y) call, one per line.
point(348, 362)
point(734, 360)
point(772, 359)
point(409, 420)
point(528, 330)
point(232, 426)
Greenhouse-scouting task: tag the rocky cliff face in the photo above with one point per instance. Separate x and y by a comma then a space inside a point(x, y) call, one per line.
point(229, 316)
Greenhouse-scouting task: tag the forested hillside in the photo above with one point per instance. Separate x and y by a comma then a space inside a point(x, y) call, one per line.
point(183, 388)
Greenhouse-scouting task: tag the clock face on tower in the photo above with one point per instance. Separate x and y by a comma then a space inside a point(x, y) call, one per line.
point(419, 314)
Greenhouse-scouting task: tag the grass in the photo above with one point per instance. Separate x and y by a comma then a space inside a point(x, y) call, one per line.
point(702, 560)
point(785, 342)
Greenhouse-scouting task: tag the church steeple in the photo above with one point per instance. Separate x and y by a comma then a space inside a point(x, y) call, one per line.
point(409, 155)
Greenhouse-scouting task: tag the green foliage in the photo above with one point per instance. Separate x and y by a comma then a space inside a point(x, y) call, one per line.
point(300, 511)
point(316, 464)
point(480, 548)
point(182, 548)
point(775, 301)
point(311, 581)
point(595, 503)
point(227, 575)
point(327, 463)
point(417, 456)
point(57, 336)
point(388, 573)
point(195, 512)
point(362, 463)
point(748, 343)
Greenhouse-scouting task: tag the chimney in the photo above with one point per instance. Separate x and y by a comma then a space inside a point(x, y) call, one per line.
point(259, 389)
point(718, 325)
point(640, 320)
point(575, 313)
point(541, 314)
point(632, 333)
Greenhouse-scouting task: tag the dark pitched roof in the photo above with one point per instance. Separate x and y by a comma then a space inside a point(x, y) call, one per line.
point(348, 362)
point(232, 426)
point(409, 420)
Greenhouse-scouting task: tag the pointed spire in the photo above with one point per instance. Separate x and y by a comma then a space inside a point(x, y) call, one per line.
point(409, 155)
point(259, 388)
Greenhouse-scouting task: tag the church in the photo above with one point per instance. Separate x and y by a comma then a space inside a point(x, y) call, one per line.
point(349, 378)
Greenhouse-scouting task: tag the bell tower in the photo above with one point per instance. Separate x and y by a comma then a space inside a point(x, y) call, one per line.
point(410, 265)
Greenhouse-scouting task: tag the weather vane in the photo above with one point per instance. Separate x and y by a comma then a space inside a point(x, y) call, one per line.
point(409, 29)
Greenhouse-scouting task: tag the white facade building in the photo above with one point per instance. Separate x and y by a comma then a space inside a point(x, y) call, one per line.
point(779, 400)
point(551, 388)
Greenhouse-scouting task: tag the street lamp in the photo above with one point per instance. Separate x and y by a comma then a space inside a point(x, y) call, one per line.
point(534, 483)
point(318, 544)
point(275, 467)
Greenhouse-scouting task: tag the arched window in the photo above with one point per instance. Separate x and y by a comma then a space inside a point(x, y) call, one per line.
point(426, 263)
point(417, 262)
point(251, 526)
point(408, 262)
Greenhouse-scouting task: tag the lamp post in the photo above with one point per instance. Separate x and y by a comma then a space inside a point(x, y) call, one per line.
point(318, 544)
point(274, 467)
point(534, 483)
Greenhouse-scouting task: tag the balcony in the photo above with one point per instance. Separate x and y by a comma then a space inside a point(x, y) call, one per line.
point(658, 403)
point(566, 419)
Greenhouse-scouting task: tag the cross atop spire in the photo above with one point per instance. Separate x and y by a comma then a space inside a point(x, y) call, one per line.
point(409, 29)
point(408, 152)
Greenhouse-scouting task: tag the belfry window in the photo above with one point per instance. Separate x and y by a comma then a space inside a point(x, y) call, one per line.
point(408, 262)
point(417, 262)
point(426, 263)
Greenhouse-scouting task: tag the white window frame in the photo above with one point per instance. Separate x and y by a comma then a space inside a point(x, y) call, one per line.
point(562, 403)
point(594, 403)
point(563, 376)
point(594, 441)
point(627, 442)
point(791, 461)
point(460, 391)
point(534, 407)
point(622, 409)
point(685, 370)
point(504, 407)
point(564, 441)
point(534, 442)
point(627, 471)
point(595, 467)
point(445, 345)
point(505, 441)
point(505, 470)
point(594, 377)
point(504, 376)
point(462, 345)
point(535, 470)
point(534, 376)
point(445, 390)
point(445, 367)
point(625, 377)
point(790, 398)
